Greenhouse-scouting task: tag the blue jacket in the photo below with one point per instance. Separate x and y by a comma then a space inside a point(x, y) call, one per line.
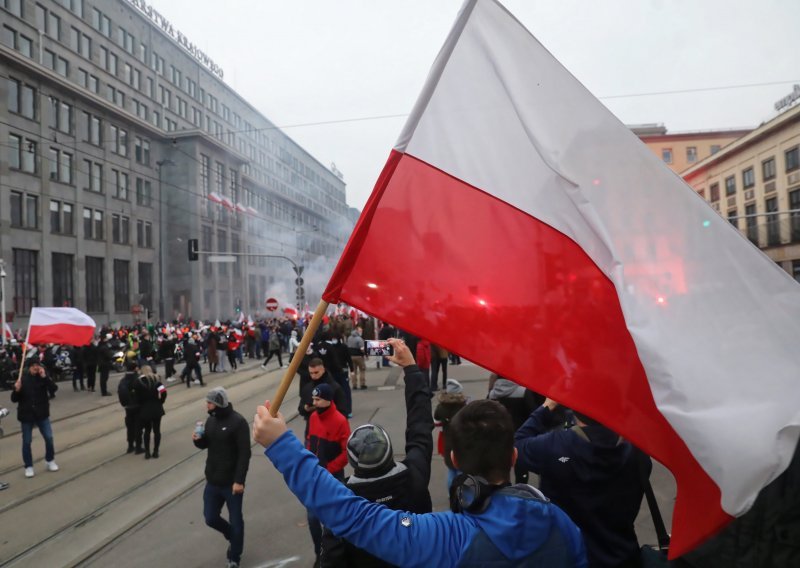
point(594, 476)
point(517, 531)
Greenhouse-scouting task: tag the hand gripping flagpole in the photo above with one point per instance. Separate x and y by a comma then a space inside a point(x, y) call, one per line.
point(311, 330)
point(24, 351)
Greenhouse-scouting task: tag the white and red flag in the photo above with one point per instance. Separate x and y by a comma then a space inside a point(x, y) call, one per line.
point(9, 334)
point(215, 197)
point(542, 240)
point(66, 326)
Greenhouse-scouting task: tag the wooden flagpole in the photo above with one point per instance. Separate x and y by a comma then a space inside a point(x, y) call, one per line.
point(24, 351)
point(277, 400)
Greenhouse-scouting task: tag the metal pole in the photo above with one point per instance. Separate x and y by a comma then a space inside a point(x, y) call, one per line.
point(161, 205)
point(3, 298)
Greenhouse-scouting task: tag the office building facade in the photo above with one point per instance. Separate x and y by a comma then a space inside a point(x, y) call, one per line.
point(121, 141)
point(755, 183)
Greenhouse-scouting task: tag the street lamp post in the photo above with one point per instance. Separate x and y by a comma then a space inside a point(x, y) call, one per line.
point(3, 298)
point(161, 239)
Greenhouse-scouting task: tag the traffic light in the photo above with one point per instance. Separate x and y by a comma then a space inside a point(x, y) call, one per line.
point(193, 250)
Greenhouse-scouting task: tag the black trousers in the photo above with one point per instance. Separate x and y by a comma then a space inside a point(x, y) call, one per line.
point(104, 379)
point(91, 376)
point(155, 427)
point(133, 428)
point(435, 364)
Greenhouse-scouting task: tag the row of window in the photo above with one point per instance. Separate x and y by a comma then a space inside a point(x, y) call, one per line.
point(691, 153)
point(768, 173)
point(25, 214)
point(26, 281)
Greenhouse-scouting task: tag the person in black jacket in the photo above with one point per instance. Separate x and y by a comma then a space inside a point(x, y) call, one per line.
point(317, 373)
point(32, 393)
point(128, 393)
point(90, 354)
point(398, 485)
point(152, 394)
point(105, 357)
point(191, 353)
point(594, 475)
point(226, 435)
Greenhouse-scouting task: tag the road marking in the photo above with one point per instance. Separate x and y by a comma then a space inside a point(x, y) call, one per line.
point(279, 563)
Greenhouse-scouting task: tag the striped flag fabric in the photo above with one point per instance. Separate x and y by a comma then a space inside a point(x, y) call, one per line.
point(65, 326)
point(560, 252)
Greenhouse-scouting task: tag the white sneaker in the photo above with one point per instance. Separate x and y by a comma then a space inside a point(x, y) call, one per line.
point(171, 380)
point(29, 472)
point(52, 466)
point(195, 382)
point(264, 367)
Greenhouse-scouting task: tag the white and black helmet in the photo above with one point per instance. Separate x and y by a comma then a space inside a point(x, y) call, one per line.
point(369, 450)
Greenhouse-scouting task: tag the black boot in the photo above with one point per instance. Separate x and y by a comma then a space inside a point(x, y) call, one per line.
point(130, 449)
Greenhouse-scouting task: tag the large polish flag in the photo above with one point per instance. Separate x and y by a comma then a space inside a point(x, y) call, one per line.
point(66, 326)
point(518, 223)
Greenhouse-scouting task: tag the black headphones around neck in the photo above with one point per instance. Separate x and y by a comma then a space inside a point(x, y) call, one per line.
point(472, 493)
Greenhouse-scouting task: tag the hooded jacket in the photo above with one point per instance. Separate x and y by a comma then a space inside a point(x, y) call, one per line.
point(355, 344)
point(518, 528)
point(403, 487)
point(227, 438)
point(593, 475)
point(328, 431)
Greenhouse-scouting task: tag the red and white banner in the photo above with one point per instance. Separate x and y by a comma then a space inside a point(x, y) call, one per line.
point(240, 208)
point(65, 326)
point(227, 203)
point(215, 197)
point(559, 251)
point(252, 211)
point(9, 334)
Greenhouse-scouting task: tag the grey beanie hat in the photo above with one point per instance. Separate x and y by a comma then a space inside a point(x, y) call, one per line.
point(218, 396)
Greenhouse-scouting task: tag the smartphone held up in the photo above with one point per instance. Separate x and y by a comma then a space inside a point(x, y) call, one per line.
point(379, 347)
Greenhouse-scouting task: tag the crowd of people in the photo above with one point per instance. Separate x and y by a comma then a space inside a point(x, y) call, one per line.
point(590, 480)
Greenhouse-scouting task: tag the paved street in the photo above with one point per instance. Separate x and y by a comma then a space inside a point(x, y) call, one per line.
point(108, 508)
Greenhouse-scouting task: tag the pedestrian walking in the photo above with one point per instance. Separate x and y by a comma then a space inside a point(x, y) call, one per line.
point(32, 393)
point(356, 346)
point(104, 360)
point(226, 436)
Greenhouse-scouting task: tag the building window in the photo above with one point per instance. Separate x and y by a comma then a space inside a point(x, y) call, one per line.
point(691, 154)
point(748, 178)
point(22, 154)
point(144, 192)
point(714, 192)
point(120, 229)
point(236, 248)
point(116, 96)
point(88, 81)
point(94, 284)
point(56, 63)
point(62, 269)
point(666, 155)
point(792, 159)
point(94, 176)
point(733, 217)
point(92, 128)
point(730, 186)
point(122, 300)
point(148, 235)
point(60, 116)
point(773, 226)
point(714, 148)
point(125, 40)
point(13, 6)
point(206, 237)
point(24, 210)
point(146, 284)
point(768, 169)
point(11, 38)
point(60, 166)
point(142, 151)
point(92, 223)
point(751, 221)
point(80, 43)
point(222, 247)
point(26, 280)
point(119, 141)
point(21, 98)
point(794, 207)
point(101, 23)
point(120, 184)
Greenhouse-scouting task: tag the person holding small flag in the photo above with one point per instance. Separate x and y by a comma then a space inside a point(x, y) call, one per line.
point(32, 393)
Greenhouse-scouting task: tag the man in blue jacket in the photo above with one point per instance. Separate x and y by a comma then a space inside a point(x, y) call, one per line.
point(594, 475)
point(498, 524)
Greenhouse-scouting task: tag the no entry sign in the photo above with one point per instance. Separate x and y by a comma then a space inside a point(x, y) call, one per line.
point(272, 304)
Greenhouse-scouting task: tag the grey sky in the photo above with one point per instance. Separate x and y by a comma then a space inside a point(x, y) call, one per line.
point(312, 61)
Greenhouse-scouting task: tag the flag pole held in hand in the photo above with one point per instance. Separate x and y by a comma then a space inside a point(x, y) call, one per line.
point(288, 376)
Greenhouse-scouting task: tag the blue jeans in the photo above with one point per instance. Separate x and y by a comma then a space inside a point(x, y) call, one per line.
point(214, 497)
point(27, 436)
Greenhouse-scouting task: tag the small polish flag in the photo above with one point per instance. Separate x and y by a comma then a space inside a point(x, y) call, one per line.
point(252, 211)
point(66, 326)
point(8, 332)
point(227, 203)
point(215, 197)
point(241, 208)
